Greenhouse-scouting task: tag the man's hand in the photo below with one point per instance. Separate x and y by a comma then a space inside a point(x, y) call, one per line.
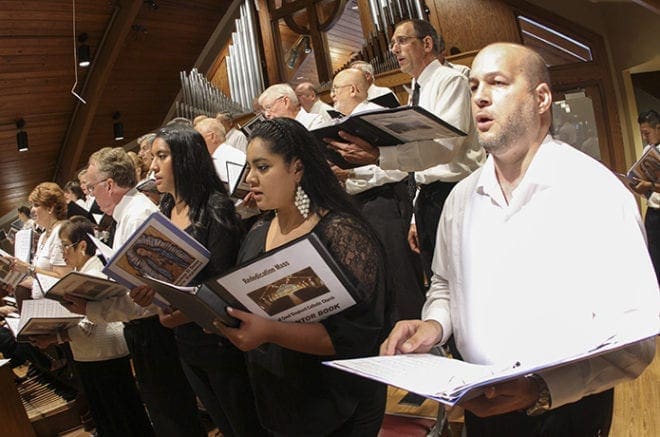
point(355, 150)
point(505, 397)
point(142, 295)
point(413, 238)
point(412, 336)
point(75, 304)
point(252, 333)
point(172, 319)
point(7, 310)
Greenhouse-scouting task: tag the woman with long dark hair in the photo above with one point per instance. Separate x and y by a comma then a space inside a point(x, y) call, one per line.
point(197, 202)
point(295, 393)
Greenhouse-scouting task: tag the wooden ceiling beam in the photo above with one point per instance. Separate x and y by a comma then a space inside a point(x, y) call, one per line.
point(213, 47)
point(99, 72)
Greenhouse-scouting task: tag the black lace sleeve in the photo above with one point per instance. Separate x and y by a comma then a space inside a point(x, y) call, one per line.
point(358, 330)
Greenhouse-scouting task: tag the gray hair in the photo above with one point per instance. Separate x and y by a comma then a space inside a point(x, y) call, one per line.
point(116, 164)
point(279, 90)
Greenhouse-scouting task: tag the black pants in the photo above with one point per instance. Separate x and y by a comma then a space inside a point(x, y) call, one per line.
point(589, 417)
point(388, 210)
point(164, 388)
point(652, 225)
point(113, 398)
point(428, 208)
point(218, 375)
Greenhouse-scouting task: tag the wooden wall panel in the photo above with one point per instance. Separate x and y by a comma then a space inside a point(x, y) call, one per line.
point(472, 24)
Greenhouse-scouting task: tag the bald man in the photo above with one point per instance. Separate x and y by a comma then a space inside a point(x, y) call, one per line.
point(310, 101)
point(221, 152)
point(528, 261)
point(384, 200)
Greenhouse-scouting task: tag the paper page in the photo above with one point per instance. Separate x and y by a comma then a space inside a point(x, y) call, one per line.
point(409, 125)
point(292, 284)
point(46, 282)
point(105, 250)
point(23, 245)
point(7, 275)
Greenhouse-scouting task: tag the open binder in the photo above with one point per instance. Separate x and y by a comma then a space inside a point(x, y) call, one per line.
point(298, 282)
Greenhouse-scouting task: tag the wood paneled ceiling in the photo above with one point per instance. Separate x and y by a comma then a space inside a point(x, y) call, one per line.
point(137, 52)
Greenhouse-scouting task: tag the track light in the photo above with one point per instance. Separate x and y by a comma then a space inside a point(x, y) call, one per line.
point(117, 127)
point(84, 58)
point(307, 48)
point(152, 4)
point(21, 136)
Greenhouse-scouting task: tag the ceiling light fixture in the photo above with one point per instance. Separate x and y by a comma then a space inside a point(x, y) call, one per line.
point(21, 136)
point(84, 58)
point(117, 127)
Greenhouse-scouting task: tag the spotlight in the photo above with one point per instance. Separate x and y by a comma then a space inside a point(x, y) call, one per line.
point(117, 127)
point(21, 136)
point(84, 59)
point(152, 4)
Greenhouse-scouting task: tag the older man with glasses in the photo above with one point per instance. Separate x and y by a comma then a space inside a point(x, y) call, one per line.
point(280, 100)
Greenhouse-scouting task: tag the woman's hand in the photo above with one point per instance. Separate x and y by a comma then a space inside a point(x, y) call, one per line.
point(252, 332)
point(142, 295)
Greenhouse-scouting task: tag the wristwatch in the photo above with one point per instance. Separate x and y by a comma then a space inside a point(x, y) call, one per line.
point(544, 401)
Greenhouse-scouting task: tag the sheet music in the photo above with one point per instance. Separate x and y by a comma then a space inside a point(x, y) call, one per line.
point(23, 245)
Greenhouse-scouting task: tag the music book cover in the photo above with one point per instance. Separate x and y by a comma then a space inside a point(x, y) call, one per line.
point(386, 101)
point(41, 317)
point(249, 126)
point(157, 249)
point(82, 285)
point(454, 380)
point(647, 167)
point(237, 186)
point(387, 127)
point(298, 282)
point(7, 275)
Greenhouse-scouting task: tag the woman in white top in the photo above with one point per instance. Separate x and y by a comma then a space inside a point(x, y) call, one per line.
point(100, 354)
point(48, 210)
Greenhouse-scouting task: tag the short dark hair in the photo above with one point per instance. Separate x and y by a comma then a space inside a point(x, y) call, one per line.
point(74, 187)
point(78, 228)
point(422, 30)
point(651, 117)
point(24, 210)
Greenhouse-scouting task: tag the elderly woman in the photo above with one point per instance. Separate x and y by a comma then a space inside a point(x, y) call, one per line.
point(295, 393)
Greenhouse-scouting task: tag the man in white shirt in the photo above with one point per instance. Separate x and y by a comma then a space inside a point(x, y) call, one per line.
point(280, 100)
point(649, 126)
point(310, 101)
point(528, 261)
point(234, 137)
point(164, 388)
point(221, 152)
point(384, 200)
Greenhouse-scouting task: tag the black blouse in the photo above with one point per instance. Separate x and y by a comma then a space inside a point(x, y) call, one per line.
point(223, 243)
point(295, 393)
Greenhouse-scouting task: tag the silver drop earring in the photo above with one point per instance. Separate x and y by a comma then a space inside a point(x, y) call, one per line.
point(302, 202)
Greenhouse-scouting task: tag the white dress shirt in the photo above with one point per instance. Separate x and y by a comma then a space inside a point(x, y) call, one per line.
point(370, 176)
point(131, 211)
point(653, 200)
point(310, 121)
point(377, 91)
point(445, 93)
point(321, 108)
point(223, 154)
point(565, 258)
point(49, 254)
point(236, 139)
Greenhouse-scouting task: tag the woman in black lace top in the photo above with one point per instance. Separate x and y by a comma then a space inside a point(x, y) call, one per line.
point(295, 393)
point(197, 202)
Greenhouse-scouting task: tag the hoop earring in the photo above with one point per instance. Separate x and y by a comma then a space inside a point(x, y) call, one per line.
point(302, 202)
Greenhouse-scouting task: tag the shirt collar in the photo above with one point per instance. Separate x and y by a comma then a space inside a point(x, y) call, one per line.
point(118, 212)
point(427, 73)
point(541, 174)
